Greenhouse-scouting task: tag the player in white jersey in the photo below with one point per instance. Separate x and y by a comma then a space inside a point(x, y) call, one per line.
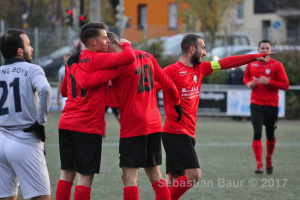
point(24, 106)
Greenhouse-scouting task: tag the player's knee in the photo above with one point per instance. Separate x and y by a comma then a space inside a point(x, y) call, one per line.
point(129, 179)
point(197, 176)
point(193, 175)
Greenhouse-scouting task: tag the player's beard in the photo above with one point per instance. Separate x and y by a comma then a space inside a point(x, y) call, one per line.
point(27, 57)
point(195, 59)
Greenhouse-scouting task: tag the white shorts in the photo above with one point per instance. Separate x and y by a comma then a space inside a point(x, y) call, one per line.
point(25, 165)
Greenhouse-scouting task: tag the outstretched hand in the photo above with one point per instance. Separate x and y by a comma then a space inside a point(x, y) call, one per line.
point(73, 59)
point(266, 58)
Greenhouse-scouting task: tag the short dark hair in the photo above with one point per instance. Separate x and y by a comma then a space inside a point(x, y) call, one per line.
point(264, 41)
point(90, 30)
point(188, 40)
point(10, 41)
point(111, 36)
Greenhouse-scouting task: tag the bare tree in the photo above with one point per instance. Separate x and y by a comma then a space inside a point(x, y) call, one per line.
point(209, 12)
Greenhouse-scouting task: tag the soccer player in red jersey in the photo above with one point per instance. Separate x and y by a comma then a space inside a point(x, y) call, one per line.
point(140, 142)
point(265, 79)
point(111, 102)
point(81, 122)
point(182, 166)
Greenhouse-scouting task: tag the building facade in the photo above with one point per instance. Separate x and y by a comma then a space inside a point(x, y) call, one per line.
point(276, 20)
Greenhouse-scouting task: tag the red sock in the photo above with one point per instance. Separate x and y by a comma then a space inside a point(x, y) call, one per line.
point(179, 187)
point(270, 149)
point(257, 150)
point(131, 193)
point(161, 189)
point(82, 193)
point(63, 190)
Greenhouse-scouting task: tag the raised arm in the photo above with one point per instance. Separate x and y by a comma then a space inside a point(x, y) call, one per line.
point(95, 79)
point(114, 60)
point(236, 61)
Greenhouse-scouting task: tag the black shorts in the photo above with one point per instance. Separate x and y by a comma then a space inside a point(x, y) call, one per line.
point(79, 151)
point(141, 151)
point(267, 115)
point(180, 153)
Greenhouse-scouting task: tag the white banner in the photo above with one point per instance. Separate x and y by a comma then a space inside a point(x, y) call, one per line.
point(238, 103)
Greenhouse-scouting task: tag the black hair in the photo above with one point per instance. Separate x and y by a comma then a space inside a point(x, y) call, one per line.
point(90, 30)
point(111, 36)
point(264, 41)
point(188, 40)
point(10, 42)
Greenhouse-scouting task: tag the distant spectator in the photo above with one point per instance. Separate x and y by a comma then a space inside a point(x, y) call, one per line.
point(235, 76)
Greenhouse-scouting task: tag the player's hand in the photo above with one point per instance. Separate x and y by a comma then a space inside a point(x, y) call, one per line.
point(251, 84)
point(38, 129)
point(73, 59)
point(263, 80)
point(179, 111)
point(266, 58)
point(121, 41)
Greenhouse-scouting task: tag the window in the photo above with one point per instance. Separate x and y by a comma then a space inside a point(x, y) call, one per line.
point(264, 6)
point(239, 13)
point(266, 26)
point(172, 16)
point(293, 31)
point(142, 18)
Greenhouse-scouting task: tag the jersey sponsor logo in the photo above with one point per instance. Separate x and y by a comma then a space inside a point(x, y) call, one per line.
point(188, 94)
point(255, 65)
point(268, 71)
point(84, 60)
point(196, 78)
point(183, 72)
point(14, 70)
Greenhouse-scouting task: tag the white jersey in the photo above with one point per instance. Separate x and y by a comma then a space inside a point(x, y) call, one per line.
point(24, 99)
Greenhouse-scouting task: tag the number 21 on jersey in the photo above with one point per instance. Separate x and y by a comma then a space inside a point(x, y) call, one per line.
point(16, 90)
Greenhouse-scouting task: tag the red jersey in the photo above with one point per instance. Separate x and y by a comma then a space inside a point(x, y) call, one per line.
point(111, 100)
point(85, 106)
point(266, 94)
point(188, 82)
point(136, 95)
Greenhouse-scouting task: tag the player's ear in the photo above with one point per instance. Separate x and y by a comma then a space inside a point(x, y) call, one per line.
point(92, 42)
point(20, 52)
point(192, 49)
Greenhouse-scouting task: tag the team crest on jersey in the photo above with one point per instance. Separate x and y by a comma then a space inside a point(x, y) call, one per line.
point(268, 71)
point(196, 78)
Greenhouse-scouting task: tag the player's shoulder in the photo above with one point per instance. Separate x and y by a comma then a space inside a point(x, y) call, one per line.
point(143, 54)
point(29, 66)
point(275, 61)
point(35, 67)
point(173, 68)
